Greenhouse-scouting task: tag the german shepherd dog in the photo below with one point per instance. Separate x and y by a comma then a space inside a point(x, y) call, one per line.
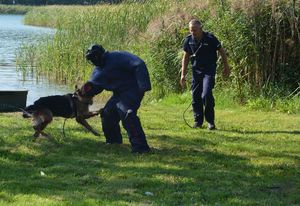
point(73, 105)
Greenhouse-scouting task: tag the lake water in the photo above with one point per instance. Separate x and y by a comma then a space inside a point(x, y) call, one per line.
point(13, 33)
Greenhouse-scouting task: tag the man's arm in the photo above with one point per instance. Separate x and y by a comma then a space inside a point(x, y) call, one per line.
point(142, 77)
point(226, 71)
point(184, 65)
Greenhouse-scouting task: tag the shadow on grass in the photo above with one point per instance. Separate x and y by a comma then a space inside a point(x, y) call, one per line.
point(292, 132)
point(177, 174)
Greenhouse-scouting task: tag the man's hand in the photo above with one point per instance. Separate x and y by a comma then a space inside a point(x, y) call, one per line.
point(182, 81)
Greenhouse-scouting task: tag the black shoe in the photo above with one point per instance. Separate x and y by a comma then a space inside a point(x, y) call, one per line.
point(141, 150)
point(197, 125)
point(211, 126)
point(111, 143)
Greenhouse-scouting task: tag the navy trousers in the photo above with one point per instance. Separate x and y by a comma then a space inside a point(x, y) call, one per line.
point(203, 101)
point(124, 108)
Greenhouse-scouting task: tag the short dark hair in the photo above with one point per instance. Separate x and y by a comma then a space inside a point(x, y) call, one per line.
point(195, 22)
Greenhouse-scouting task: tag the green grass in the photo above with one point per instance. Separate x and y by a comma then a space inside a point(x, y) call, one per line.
point(252, 159)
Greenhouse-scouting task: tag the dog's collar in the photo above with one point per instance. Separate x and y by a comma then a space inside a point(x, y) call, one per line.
point(71, 97)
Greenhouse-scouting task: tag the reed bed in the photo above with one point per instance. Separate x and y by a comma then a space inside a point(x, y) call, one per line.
point(114, 26)
point(14, 9)
point(262, 40)
point(273, 43)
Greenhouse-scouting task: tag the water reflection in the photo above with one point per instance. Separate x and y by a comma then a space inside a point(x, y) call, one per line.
point(13, 33)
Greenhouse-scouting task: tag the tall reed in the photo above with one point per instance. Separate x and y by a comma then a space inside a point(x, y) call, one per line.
point(273, 42)
point(14, 9)
point(261, 38)
point(114, 26)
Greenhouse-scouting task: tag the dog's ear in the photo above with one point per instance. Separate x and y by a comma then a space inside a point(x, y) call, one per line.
point(76, 87)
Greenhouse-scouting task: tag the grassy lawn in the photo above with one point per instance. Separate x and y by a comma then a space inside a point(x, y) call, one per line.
point(252, 159)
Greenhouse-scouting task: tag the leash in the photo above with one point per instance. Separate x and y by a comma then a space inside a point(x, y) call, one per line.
point(183, 114)
point(64, 134)
point(72, 104)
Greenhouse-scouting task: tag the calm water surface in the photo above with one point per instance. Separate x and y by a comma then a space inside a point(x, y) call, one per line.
point(13, 33)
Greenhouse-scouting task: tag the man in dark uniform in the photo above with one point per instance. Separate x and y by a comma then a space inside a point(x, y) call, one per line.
point(126, 75)
point(201, 48)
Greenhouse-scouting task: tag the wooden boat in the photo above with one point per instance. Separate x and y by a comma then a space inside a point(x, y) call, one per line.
point(12, 100)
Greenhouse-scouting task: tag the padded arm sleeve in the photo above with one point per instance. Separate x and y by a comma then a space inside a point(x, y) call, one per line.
point(90, 90)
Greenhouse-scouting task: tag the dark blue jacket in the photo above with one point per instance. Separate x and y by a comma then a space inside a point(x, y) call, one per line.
point(121, 72)
point(203, 53)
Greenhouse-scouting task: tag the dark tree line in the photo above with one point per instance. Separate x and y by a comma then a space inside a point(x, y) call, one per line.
point(51, 2)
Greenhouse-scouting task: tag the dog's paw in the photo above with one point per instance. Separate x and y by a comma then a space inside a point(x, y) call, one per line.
point(41, 136)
